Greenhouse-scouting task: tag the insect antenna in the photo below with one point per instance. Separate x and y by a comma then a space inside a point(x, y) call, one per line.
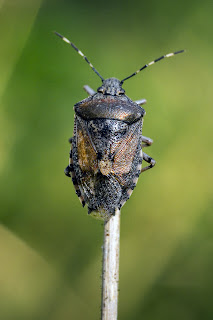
point(79, 52)
point(152, 62)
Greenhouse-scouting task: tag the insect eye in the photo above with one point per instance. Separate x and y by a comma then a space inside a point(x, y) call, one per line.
point(100, 89)
point(121, 91)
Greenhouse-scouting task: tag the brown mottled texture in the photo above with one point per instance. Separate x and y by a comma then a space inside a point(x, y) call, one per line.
point(107, 153)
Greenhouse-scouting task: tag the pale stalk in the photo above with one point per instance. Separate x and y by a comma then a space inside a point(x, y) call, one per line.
point(110, 271)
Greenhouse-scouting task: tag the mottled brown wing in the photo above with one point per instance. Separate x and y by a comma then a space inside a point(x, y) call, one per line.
point(87, 156)
point(126, 151)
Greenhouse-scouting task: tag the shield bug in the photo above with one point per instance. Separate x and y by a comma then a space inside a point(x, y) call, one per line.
point(106, 148)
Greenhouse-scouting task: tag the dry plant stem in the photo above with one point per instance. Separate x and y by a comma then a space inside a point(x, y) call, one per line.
point(110, 272)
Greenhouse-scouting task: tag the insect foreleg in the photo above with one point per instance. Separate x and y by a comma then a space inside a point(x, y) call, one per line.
point(89, 90)
point(141, 101)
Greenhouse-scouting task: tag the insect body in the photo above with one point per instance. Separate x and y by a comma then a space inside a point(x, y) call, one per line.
point(106, 148)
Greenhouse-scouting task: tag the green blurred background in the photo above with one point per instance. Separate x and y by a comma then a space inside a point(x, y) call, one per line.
point(50, 250)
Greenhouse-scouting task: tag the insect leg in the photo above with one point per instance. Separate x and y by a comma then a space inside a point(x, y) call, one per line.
point(69, 168)
point(89, 90)
point(149, 160)
point(148, 141)
point(141, 101)
point(69, 171)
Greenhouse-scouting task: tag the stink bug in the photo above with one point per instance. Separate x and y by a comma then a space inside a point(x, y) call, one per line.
point(106, 147)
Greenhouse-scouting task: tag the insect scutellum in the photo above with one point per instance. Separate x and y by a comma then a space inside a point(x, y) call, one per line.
point(113, 86)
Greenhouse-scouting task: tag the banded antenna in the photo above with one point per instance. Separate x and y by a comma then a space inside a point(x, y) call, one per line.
point(79, 52)
point(152, 62)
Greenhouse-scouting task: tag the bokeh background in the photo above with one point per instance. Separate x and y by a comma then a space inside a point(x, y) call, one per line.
point(50, 250)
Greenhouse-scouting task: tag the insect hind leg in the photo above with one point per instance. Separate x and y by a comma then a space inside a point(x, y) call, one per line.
point(149, 160)
point(69, 168)
point(69, 172)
